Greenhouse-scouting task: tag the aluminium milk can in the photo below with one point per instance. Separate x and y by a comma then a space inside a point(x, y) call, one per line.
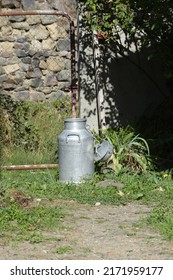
point(75, 152)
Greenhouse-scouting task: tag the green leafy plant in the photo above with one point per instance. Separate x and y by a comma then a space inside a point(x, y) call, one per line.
point(130, 150)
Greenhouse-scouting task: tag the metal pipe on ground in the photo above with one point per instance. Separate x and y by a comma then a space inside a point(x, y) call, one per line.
point(29, 167)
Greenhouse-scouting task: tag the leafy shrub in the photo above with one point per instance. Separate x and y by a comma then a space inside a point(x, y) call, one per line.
point(31, 130)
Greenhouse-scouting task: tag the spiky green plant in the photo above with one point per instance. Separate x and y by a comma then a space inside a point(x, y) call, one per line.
point(130, 150)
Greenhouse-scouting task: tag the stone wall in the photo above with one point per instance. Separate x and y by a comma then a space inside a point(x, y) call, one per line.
point(35, 57)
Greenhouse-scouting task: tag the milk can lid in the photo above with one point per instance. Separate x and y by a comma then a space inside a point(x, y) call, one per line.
point(103, 151)
point(73, 120)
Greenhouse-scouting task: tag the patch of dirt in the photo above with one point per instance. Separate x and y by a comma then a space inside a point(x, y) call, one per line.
point(96, 232)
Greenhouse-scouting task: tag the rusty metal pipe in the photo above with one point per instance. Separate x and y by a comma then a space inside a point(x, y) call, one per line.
point(73, 71)
point(29, 167)
point(34, 12)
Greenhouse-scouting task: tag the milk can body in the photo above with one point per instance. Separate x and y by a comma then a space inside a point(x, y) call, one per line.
point(75, 152)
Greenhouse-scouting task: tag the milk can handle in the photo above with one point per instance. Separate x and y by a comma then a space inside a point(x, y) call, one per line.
point(71, 134)
point(96, 149)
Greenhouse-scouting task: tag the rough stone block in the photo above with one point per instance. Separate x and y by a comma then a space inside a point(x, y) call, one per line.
point(26, 60)
point(48, 19)
point(35, 62)
point(43, 64)
point(63, 45)
point(50, 80)
point(55, 95)
point(6, 54)
point(42, 5)
point(36, 46)
point(21, 39)
point(36, 82)
point(56, 31)
point(63, 75)
point(35, 73)
point(22, 88)
point(6, 46)
point(21, 53)
point(6, 31)
point(22, 95)
point(3, 78)
point(26, 46)
point(24, 67)
point(11, 68)
point(46, 90)
point(3, 61)
point(12, 79)
point(37, 96)
point(12, 60)
point(42, 54)
point(9, 86)
point(48, 44)
point(38, 32)
point(28, 5)
point(64, 85)
point(17, 18)
point(55, 63)
point(58, 5)
point(21, 25)
point(10, 4)
point(20, 75)
point(33, 19)
point(18, 45)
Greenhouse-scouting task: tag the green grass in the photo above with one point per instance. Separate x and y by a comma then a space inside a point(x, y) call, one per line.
point(155, 189)
point(162, 218)
point(21, 223)
point(63, 250)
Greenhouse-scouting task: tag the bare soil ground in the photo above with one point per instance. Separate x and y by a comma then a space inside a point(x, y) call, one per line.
point(95, 232)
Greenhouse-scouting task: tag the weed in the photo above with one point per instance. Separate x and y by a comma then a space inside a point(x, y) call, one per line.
point(130, 150)
point(36, 237)
point(63, 250)
point(131, 234)
point(87, 250)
